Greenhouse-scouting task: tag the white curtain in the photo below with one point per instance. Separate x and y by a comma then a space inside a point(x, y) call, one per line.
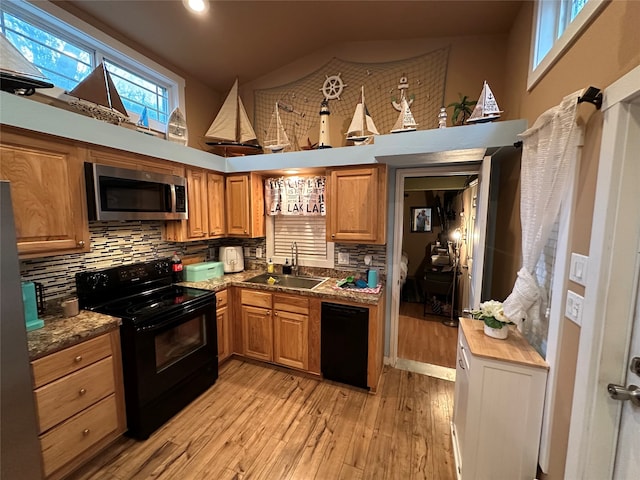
point(549, 149)
point(295, 195)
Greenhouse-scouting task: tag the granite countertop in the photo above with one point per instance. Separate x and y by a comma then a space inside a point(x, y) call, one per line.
point(325, 290)
point(59, 332)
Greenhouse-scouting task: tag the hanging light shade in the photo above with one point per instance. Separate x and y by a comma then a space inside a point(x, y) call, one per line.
point(17, 74)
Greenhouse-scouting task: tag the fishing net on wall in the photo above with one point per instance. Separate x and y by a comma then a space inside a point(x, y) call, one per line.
point(299, 102)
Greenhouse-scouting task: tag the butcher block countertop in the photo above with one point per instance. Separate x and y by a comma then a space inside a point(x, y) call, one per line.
point(59, 332)
point(515, 348)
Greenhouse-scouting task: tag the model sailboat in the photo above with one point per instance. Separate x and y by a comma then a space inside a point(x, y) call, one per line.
point(17, 74)
point(231, 133)
point(277, 138)
point(405, 122)
point(97, 96)
point(486, 109)
point(362, 129)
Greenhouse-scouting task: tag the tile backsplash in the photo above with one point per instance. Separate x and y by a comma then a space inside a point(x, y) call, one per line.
point(121, 243)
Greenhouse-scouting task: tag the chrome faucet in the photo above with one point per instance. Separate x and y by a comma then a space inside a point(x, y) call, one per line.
point(294, 258)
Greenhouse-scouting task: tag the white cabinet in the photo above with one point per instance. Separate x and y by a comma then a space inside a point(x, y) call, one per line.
point(499, 397)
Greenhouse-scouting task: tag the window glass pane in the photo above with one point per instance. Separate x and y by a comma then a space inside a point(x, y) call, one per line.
point(137, 93)
point(63, 63)
point(67, 56)
point(546, 30)
point(576, 6)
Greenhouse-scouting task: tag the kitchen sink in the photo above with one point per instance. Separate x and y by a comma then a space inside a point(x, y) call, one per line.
point(288, 281)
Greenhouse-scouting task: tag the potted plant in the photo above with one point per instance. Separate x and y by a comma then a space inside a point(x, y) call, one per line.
point(461, 110)
point(495, 322)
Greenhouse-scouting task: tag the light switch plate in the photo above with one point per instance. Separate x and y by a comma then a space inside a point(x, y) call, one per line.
point(573, 307)
point(578, 269)
point(343, 258)
point(258, 252)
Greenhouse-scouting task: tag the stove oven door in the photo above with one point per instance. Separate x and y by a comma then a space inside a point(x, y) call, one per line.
point(167, 362)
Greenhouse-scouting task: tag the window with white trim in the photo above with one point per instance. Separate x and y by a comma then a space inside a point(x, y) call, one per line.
point(66, 53)
point(309, 233)
point(555, 24)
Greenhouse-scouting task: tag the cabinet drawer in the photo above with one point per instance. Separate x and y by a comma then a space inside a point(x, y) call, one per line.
point(65, 442)
point(221, 299)
point(67, 396)
point(255, 298)
point(70, 359)
point(290, 303)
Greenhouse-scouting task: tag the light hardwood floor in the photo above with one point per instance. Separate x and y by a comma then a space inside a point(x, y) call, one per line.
point(424, 338)
point(262, 422)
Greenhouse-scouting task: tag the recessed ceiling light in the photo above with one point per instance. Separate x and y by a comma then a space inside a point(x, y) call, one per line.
point(197, 6)
point(291, 171)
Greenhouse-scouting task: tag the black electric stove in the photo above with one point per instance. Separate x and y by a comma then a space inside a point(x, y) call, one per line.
point(168, 336)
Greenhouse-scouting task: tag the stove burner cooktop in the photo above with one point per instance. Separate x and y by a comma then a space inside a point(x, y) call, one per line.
point(139, 307)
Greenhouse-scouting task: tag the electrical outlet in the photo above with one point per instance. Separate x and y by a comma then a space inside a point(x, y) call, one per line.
point(367, 260)
point(573, 307)
point(247, 251)
point(343, 258)
point(258, 252)
point(578, 270)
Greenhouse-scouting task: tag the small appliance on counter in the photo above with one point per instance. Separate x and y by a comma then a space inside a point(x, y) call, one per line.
point(232, 259)
point(33, 304)
point(198, 272)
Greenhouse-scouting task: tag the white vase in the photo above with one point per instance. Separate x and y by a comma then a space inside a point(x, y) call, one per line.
point(500, 333)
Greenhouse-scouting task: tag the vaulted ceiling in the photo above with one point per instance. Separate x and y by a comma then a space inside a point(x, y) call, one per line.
point(248, 39)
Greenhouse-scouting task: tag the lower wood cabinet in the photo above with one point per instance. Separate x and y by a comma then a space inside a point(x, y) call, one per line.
point(275, 328)
point(80, 402)
point(499, 397)
point(223, 326)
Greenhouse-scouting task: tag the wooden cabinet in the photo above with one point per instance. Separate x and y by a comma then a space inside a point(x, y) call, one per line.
point(205, 197)
point(47, 192)
point(80, 402)
point(357, 204)
point(223, 326)
point(291, 331)
point(499, 397)
point(132, 161)
point(245, 205)
point(275, 328)
point(215, 202)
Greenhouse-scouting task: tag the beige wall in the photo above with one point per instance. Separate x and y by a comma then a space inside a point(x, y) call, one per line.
point(471, 61)
point(603, 53)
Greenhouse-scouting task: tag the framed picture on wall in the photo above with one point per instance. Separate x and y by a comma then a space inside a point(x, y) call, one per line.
point(420, 219)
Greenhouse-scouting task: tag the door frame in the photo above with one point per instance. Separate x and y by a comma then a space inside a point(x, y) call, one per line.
point(468, 168)
point(608, 304)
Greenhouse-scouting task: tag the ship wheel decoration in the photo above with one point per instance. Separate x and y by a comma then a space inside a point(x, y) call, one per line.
point(332, 87)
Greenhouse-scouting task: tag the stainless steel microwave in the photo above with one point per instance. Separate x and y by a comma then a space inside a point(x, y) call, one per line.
point(121, 194)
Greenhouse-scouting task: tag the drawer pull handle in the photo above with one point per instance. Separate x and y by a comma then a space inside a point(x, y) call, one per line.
point(461, 364)
point(86, 432)
point(78, 359)
point(82, 391)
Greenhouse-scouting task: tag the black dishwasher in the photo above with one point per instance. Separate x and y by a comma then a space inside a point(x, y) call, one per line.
point(344, 343)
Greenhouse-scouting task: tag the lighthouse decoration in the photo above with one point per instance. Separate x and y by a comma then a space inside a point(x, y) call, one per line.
point(331, 89)
point(323, 140)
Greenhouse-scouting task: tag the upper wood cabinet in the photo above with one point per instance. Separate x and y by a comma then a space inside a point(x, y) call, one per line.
point(205, 197)
point(357, 204)
point(215, 202)
point(245, 205)
point(47, 191)
point(133, 161)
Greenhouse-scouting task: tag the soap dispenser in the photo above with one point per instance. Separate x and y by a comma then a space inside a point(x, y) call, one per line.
point(270, 266)
point(286, 268)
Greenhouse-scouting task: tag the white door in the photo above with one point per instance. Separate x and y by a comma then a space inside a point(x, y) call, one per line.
point(476, 263)
point(602, 429)
point(627, 464)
